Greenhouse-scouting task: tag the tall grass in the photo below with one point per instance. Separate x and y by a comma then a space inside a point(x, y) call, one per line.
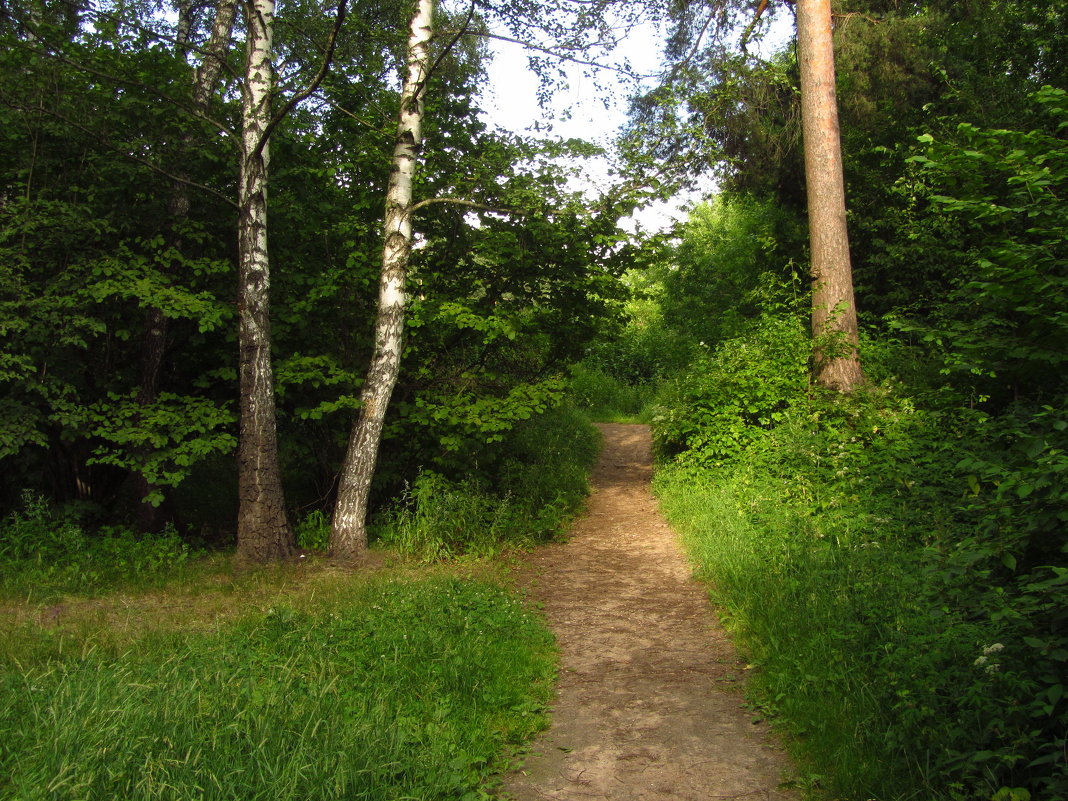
point(901, 652)
point(537, 485)
point(393, 688)
point(46, 554)
point(608, 399)
point(796, 601)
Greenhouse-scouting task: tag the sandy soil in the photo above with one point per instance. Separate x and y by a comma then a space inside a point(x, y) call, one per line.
point(649, 701)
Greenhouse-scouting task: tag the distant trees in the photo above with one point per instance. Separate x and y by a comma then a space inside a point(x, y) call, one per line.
point(738, 111)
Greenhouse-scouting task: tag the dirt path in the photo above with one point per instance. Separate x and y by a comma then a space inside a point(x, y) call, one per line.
point(648, 705)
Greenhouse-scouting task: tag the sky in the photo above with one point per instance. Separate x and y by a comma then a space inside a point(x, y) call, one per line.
point(511, 104)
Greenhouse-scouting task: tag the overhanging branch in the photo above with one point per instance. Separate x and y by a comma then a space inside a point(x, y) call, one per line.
point(422, 204)
point(563, 56)
point(304, 94)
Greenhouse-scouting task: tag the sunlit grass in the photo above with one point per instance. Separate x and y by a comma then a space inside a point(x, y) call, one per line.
point(299, 682)
point(795, 602)
point(605, 399)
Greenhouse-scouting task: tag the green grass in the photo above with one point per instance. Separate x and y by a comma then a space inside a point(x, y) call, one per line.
point(606, 399)
point(790, 599)
point(539, 484)
point(392, 686)
point(899, 653)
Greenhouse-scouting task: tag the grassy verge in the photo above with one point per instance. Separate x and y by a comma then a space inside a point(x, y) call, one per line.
point(322, 686)
point(792, 599)
point(904, 655)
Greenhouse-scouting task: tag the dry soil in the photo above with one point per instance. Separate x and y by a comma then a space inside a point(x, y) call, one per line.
point(649, 702)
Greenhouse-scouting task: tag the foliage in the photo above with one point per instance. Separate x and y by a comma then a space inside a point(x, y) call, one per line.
point(734, 262)
point(747, 384)
point(905, 605)
point(414, 688)
point(530, 485)
point(162, 440)
point(313, 532)
point(116, 320)
point(1001, 197)
point(44, 553)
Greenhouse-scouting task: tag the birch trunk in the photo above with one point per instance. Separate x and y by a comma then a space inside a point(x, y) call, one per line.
point(155, 329)
point(348, 539)
point(836, 360)
point(263, 532)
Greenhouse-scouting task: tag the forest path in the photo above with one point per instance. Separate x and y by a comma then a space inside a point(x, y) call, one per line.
point(649, 703)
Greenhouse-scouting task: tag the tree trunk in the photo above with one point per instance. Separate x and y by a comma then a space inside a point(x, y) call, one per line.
point(263, 532)
point(348, 539)
point(835, 356)
point(154, 331)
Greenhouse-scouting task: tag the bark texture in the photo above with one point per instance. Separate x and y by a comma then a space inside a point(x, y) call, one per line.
point(263, 532)
point(348, 539)
point(836, 360)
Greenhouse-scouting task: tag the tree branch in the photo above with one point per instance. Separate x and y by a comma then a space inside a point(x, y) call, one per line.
point(752, 24)
point(360, 120)
point(412, 209)
point(324, 68)
point(445, 50)
point(558, 54)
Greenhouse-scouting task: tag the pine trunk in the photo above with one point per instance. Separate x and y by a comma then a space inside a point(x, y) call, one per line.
point(835, 356)
point(263, 532)
point(348, 539)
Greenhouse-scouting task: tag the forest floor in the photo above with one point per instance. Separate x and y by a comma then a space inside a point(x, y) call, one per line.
point(649, 703)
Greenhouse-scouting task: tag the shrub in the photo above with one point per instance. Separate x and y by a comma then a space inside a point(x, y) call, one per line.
point(746, 384)
point(537, 481)
point(905, 635)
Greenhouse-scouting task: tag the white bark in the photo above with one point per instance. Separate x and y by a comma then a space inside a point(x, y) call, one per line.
point(263, 532)
point(348, 539)
point(214, 54)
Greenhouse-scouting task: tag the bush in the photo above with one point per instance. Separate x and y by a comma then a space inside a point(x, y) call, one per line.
point(896, 567)
point(729, 394)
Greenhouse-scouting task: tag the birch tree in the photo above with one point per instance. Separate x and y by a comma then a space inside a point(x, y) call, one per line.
point(263, 531)
point(571, 36)
point(835, 357)
point(348, 538)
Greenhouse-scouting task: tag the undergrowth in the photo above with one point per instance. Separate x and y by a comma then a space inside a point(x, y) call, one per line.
point(893, 565)
point(608, 399)
point(535, 483)
point(390, 688)
point(44, 553)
